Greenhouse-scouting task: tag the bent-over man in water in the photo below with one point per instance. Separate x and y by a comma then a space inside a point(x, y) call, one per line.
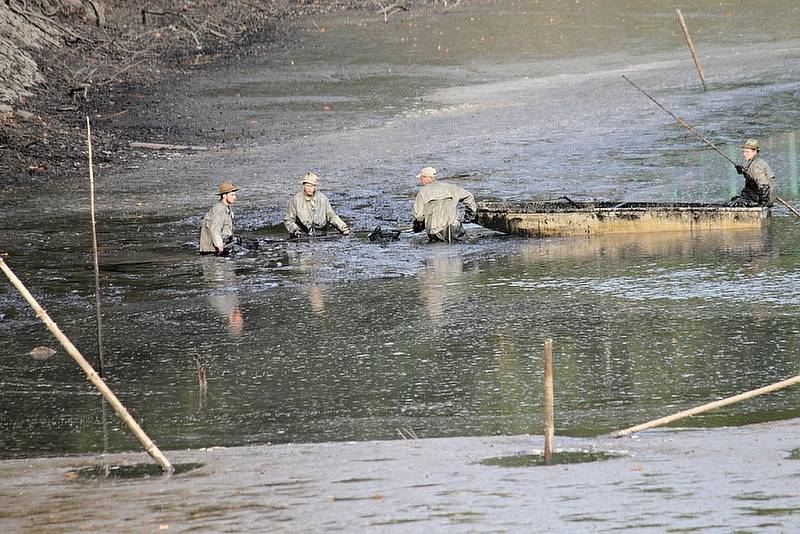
point(216, 230)
point(436, 208)
point(310, 212)
point(759, 180)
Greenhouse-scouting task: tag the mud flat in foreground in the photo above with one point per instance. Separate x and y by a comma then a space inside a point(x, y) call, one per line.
point(726, 479)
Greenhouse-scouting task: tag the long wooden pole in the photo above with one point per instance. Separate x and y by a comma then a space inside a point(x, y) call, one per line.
point(701, 137)
point(146, 442)
point(691, 49)
point(680, 120)
point(100, 360)
point(779, 199)
point(707, 407)
point(549, 430)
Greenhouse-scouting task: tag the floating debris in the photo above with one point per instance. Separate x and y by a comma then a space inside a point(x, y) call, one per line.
point(42, 353)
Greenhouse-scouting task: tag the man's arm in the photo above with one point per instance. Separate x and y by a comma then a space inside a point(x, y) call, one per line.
point(334, 219)
point(418, 213)
point(215, 226)
point(291, 217)
point(470, 206)
point(760, 176)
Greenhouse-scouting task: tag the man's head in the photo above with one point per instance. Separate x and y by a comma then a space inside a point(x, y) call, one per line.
point(310, 182)
point(427, 175)
point(750, 149)
point(227, 192)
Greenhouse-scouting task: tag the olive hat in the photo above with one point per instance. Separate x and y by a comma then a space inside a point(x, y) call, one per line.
point(751, 144)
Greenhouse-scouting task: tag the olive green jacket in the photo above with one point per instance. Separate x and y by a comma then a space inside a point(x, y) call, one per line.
point(760, 186)
point(437, 205)
point(311, 214)
point(217, 226)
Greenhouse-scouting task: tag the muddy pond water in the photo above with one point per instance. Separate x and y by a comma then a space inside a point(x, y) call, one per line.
point(347, 340)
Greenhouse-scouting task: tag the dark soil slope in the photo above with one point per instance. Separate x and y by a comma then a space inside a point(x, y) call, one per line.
point(64, 60)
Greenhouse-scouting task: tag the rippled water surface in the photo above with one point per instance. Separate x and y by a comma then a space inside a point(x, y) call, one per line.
point(347, 340)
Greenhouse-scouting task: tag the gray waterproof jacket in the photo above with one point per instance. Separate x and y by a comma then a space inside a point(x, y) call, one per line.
point(437, 205)
point(311, 215)
point(759, 184)
point(217, 226)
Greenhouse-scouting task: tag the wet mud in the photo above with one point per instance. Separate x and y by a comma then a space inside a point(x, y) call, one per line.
point(347, 340)
point(689, 480)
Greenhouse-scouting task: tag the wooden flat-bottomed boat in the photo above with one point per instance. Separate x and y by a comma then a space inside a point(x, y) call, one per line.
point(567, 218)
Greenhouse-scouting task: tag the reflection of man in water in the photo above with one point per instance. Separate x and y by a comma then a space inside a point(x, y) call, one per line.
point(220, 277)
point(436, 208)
point(316, 299)
point(217, 226)
point(310, 212)
point(437, 284)
point(759, 180)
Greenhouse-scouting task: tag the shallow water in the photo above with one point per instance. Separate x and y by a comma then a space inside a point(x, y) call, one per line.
point(347, 340)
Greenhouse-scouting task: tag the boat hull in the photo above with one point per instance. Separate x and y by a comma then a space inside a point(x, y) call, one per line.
point(552, 219)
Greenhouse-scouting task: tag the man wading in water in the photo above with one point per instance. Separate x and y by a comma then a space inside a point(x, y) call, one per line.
point(216, 231)
point(436, 208)
point(759, 180)
point(310, 212)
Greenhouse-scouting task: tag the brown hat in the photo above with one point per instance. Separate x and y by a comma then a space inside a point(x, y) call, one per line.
point(310, 178)
point(430, 172)
point(227, 187)
point(752, 144)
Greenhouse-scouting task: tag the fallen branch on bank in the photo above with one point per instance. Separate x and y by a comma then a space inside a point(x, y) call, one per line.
point(390, 10)
point(448, 8)
point(164, 146)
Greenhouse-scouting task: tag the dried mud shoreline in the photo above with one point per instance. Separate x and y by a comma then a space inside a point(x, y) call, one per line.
point(64, 61)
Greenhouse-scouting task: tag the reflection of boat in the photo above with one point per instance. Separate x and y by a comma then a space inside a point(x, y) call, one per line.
point(630, 249)
point(567, 218)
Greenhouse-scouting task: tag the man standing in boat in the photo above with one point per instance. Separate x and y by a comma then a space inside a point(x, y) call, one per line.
point(310, 212)
point(216, 230)
point(759, 180)
point(436, 208)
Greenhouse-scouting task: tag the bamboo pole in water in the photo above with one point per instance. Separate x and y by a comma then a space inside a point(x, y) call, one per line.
point(691, 49)
point(709, 406)
point(100, 360)
point(146, 442)
point(779, 199)
point(548, 401)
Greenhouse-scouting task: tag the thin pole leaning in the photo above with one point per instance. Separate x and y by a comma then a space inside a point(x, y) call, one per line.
point(788, 207)
point(680, 121)
point(549, 431)
point(691, 49)
point(146, 442)
point(100, 359)
point(709, 406)
point(701, 137)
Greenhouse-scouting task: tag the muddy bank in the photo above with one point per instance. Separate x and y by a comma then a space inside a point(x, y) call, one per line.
point(722, 480)
point(63, 61)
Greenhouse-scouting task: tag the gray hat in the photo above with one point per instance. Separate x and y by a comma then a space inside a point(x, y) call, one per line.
point(751, 144)
point(310, 178)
